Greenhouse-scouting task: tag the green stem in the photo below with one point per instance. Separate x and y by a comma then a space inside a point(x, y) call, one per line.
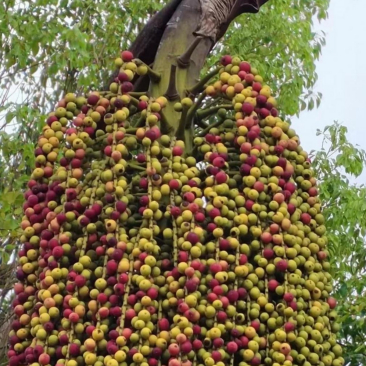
point(193, 109)
point(154, 76)
point(198, 122)
point(208, 128)
point(201, 84)
point(138, 94)
point(137, 167)
point(204, 113)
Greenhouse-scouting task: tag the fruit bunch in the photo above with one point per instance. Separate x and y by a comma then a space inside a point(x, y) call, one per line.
point(136, 251)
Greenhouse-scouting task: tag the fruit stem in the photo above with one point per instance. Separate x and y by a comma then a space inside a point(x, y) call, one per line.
point(137, 167)
point(140, 122)
point(134, 101)
point(153, 75)
point(192, 110)
point(138, 94)
point(201, 84)
point(182, 124)
point(131, 130)
point(204, 113)
point(205, 131)
point(199, 123)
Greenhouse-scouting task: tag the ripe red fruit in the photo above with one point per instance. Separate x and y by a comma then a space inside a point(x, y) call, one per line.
point(289, 327)
point(257, 86)
point(255, 324)
point(221, 177)
point(174, 184)
point(268, 253)
point(126, 56)
point(93, 99)
point(272, 285)
point(282, 265)
point(245, 66)
point(305, 218)
point(332, 302)
point(247, 108)
point(226, 60)
point(261, 100)
point(266, 237)
point(288, 297)
point(232, 347)
point(44, 359)
point(249, 78)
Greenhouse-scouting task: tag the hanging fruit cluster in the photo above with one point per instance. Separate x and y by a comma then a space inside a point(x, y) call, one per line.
point(136, 251)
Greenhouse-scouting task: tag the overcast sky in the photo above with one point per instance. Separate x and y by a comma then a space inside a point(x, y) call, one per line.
point(342, 77)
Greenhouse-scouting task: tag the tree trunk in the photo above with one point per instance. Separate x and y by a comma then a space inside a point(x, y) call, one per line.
point(176, 39)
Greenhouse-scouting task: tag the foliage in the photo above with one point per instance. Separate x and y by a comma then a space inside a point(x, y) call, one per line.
point(337, 164)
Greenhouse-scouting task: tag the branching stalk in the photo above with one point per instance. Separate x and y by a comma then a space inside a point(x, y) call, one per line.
point(154, 76)
point(201, 84)
point(204, 113)
point(193, 109)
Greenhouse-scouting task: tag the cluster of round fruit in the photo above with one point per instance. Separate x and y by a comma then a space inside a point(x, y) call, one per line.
point(135, 252)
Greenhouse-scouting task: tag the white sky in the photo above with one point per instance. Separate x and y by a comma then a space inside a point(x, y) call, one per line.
point(342, 77)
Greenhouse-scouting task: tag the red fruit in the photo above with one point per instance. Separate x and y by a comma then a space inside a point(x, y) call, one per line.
point(245, 147)
point(289, 327)
point(221, 316)
point(313, 192)
point(247, 108)
point(216, 355)
point(197, 344)
point(255, 324)
point(219, 162)
point(231, 347)
point(249, 78)
point(186, 347)
point(272, 285)
point(252, 135)
point(266, 237)
point(74, 349)
point(174, 184)
point(126, 56)
point(257, 86)
point(173, 349)
point(255, 361)
point(293, 305)
point(282, 265)
point(245, 66)
point(259, 186)
point(221, 177)
point(226, 60)
point(74, 318)
point(305, 218)
point(268, 253)
point(322, 255)
point(93, 99)
point(288, 297)
point(44, 359)
point(264, 112)
point(332, 302)
point(177, 151)
point(261, 100)
point(210, 138)
point(242, 75)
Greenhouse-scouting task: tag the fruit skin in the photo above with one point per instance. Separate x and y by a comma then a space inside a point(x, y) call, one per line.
point(196, 259)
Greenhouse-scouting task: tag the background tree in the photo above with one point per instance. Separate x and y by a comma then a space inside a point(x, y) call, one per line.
point(69, 53)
